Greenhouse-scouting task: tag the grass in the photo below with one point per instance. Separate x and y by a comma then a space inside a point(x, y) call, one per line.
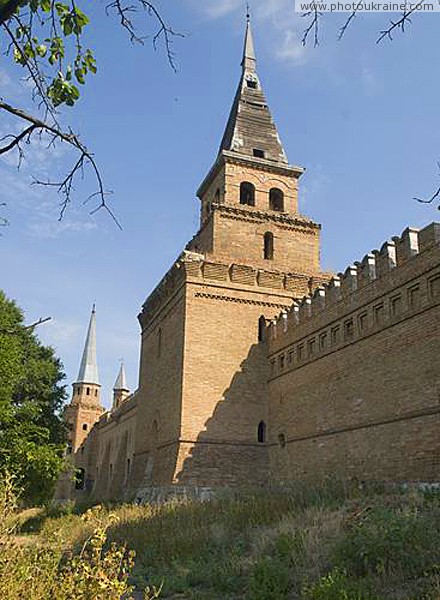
point(332, 541)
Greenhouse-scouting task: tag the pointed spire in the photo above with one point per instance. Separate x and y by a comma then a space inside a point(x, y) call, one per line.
point(88, 370)
point(249, 60)
point(121, 381)
point(250, 130)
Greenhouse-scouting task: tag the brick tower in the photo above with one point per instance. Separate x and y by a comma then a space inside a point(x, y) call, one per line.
point(83, 412)
point(202, 402)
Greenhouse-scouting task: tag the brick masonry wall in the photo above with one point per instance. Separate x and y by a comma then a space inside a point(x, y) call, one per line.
point(366, 404)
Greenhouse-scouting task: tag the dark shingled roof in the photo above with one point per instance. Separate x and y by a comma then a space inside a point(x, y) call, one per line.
point(250, 126)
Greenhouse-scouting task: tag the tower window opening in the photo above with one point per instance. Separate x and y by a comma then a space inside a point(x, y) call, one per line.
point(84, 426)
point(217, 196)
point(96, 392)
point(247, 193)
point(276, 200)
point(261, 432)
point(78, 391)
point(251, 84)
point(88, 391)
point(261, 328)
point(258, 153)
point(268, 245)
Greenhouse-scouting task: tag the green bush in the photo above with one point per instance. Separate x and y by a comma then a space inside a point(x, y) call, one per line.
point(336, 585)
point(269, 580)
point(388, 541)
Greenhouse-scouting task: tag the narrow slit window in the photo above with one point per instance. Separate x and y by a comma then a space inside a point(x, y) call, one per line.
point(261, 328)
point(261, 432)
point(268, 245)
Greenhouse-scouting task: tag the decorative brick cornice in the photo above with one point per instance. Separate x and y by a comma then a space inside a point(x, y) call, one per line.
point(250, 214)
point(241, 300)
point(259, 164)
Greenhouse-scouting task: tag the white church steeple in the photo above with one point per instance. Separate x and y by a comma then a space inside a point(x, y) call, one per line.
point(88, 370)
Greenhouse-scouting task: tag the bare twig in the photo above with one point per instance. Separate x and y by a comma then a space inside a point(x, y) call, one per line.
point(27, 327)
point(164, 31)
point(346, 24)
point(396, 25)
point(433, 197)
point(16, 139)
point(39, 322)
point(65, 186)
point(315, 14)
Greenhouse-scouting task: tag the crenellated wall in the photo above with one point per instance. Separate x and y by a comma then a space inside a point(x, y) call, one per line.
point(354, 384)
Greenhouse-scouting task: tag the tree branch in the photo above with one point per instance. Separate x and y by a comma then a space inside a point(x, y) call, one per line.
point(164, 30)
point(400, 24)
point(313, 25)
point(26, 327)
point(16, 139)
point(433, 197)
point(65, 187)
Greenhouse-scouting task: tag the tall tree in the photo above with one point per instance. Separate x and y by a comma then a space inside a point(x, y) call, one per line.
point(31, 397)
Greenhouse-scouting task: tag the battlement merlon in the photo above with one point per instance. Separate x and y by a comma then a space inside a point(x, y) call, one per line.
point(375, 267)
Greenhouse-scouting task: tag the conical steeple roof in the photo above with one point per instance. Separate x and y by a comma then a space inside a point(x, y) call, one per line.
point(88, 370)
point(250, 130)
point(121, 381)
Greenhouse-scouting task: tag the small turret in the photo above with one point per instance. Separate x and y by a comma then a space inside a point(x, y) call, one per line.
point(120, 389)
point(85, 407)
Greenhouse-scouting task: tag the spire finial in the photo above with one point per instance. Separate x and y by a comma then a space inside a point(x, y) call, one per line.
point(248, 15)
point(249, 61)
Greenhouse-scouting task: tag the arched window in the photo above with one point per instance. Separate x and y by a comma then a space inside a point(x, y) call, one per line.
point(261, 432)
point(88, 391)
point(80, 479)
point(217, 196)
point(276, 199)
point(247, 193)
point(261, 328)
point(84, 426)
point(268, 245)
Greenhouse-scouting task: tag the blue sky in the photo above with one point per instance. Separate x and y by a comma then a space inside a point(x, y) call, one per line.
point(362, 118)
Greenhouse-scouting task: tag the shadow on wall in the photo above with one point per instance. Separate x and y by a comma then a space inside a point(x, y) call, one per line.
point(228, 451)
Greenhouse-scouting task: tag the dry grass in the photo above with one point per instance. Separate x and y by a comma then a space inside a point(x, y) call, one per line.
point(325, 542)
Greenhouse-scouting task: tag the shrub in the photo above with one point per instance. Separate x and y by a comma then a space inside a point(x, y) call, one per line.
point(387, 540)
point(336, 585)
point(269, 580)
